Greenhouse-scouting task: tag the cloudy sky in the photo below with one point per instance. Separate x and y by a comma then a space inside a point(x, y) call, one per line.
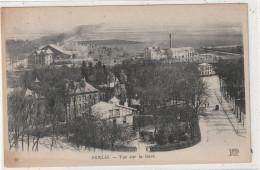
point(181, 19)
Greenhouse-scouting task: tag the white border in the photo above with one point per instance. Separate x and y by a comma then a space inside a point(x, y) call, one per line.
point(254, 62)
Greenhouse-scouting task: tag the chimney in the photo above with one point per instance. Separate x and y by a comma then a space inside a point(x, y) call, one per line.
point(170, 40)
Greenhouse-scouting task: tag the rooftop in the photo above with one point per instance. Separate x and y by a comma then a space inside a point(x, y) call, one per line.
point(56, 48)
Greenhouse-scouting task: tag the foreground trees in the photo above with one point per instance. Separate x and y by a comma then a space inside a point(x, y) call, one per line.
point(92, 132)
point(26, 119)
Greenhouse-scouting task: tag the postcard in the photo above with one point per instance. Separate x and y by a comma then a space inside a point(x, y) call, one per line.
point(125, 85)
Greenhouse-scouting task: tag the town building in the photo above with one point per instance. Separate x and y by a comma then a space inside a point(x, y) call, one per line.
point(114, 113)
point(154, 53)
point(41, 58)
point(181, 54)
point(206, 69)
point(58, 52)
point(81, 97)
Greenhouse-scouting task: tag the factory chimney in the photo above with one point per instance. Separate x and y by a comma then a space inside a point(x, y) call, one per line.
point(170, 40)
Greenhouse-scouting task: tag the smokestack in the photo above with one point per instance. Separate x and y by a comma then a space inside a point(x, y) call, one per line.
point(170, 40)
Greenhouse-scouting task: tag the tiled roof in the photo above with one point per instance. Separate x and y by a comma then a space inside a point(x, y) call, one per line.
point(58, 49)
point(86, 88)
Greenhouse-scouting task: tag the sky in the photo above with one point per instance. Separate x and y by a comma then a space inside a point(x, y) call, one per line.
point(181, 19)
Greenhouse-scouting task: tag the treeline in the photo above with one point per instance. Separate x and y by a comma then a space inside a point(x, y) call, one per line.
point(232, 83)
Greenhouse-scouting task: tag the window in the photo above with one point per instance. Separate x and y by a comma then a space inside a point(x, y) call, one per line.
point(79, 106)
point(79, 98)
point(114, 121)
point(117, 112)
point(124, 119)
point(85, 105)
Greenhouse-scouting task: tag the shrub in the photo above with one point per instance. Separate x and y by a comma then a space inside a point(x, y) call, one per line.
point(171, 138)
point(161, 137)
point(147, 136)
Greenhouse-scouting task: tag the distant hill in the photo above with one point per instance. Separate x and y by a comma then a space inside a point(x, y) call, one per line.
point(109, 42)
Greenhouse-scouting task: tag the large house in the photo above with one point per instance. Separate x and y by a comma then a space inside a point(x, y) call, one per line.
point(113, 112)
point(79, 97)
point(154, 53)
point(41, 58)
point(206, 69)
point(58, 52)
point(82, 97)
point(181, 54)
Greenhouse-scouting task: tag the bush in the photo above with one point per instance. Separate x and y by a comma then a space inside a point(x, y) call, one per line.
point(171, 138)
point(147, 136)
point(161, 137)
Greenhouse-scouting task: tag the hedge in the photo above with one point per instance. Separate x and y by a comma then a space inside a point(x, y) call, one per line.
point(175, 146)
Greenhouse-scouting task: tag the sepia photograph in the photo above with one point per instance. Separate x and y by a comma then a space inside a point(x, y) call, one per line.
point(125, 85)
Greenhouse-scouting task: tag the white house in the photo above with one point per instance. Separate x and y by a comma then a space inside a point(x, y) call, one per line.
point(206, 69)
point(182, 54)
point(113, 112)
